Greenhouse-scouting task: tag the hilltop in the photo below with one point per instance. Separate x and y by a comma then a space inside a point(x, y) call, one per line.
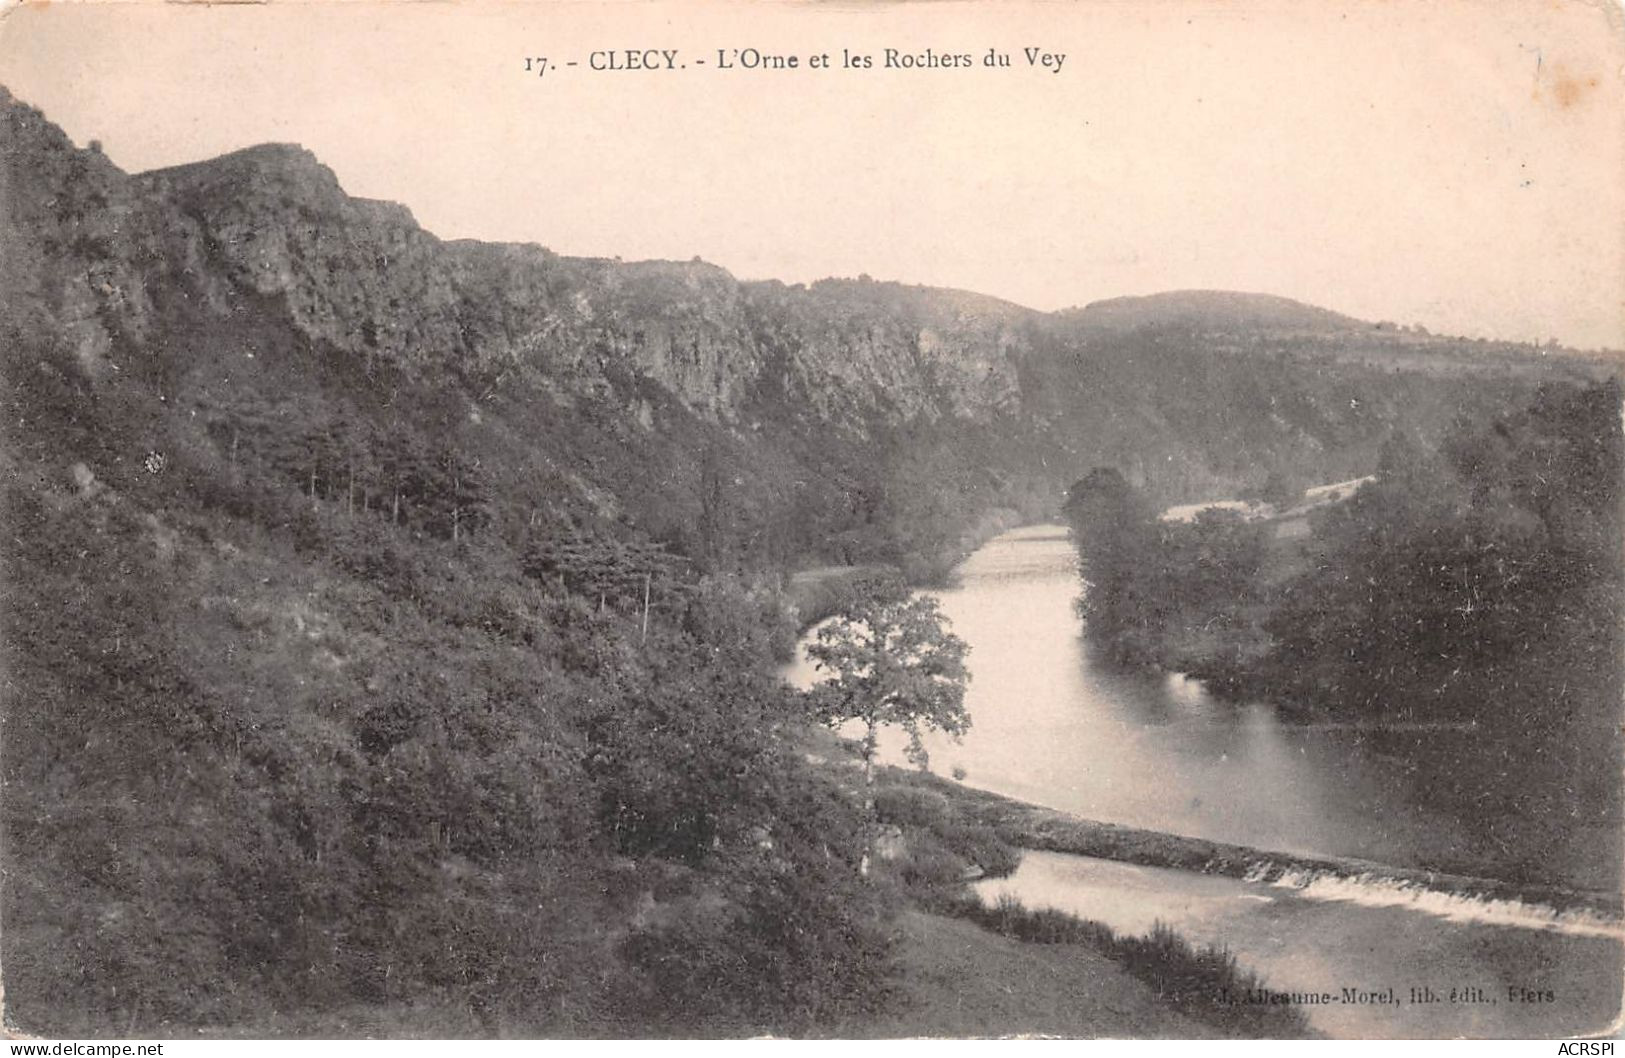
point(1212, 311)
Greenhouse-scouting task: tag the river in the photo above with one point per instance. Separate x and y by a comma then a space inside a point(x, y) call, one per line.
point(1053, 727)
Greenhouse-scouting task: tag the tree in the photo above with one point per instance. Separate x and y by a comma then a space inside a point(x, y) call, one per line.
point(891, 661)
point(1115, 534)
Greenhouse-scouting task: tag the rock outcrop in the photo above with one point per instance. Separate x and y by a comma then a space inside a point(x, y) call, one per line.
point(845, 406)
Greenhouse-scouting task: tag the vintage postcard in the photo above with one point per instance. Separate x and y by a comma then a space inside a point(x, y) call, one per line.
point(953, 520)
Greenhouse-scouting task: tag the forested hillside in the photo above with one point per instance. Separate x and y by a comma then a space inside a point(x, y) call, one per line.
point(1491, 556)
point(388, 620)
point(1472, 587)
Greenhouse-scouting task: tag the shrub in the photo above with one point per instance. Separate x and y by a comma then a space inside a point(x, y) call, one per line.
point(982, 846)
point(910, 806)
point(777, 934)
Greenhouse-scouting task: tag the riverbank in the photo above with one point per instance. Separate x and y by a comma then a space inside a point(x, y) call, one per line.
point(1033, 827)
point(962, 981)
point(1200, 921)
point(969, 969)
point(816, 593)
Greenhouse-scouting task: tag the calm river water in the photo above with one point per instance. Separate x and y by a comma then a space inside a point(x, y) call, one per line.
point(1052, 727)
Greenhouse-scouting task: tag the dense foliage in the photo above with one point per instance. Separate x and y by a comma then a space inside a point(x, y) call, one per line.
point(1158, 592)
point(1464, 605)
point(1490, 565)
point(1495, 556)
point(269, 752)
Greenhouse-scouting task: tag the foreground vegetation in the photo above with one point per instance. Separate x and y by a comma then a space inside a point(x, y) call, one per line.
point(1199, 982)
point(287, 771)
point(440, 787)
point(959, 980)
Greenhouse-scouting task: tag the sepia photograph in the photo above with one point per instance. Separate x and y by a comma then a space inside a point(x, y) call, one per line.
point(597, 520)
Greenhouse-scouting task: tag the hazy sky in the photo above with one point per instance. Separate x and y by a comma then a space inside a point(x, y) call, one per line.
point(1458, 164)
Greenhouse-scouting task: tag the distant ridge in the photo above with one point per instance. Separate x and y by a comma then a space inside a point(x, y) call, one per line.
point(1212, 310)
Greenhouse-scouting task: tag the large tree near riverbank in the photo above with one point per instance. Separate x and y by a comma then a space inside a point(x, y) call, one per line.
point(1115, 531)
point(891, 661)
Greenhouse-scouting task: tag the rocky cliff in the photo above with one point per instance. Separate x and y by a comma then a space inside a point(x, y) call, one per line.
point(363, 280)
point(225, 287)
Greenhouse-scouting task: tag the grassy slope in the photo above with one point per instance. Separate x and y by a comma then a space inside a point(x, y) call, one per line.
point(957, 981)
point(963, 981)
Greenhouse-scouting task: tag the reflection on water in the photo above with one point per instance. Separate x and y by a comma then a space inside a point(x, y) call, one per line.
point(1052, 726)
